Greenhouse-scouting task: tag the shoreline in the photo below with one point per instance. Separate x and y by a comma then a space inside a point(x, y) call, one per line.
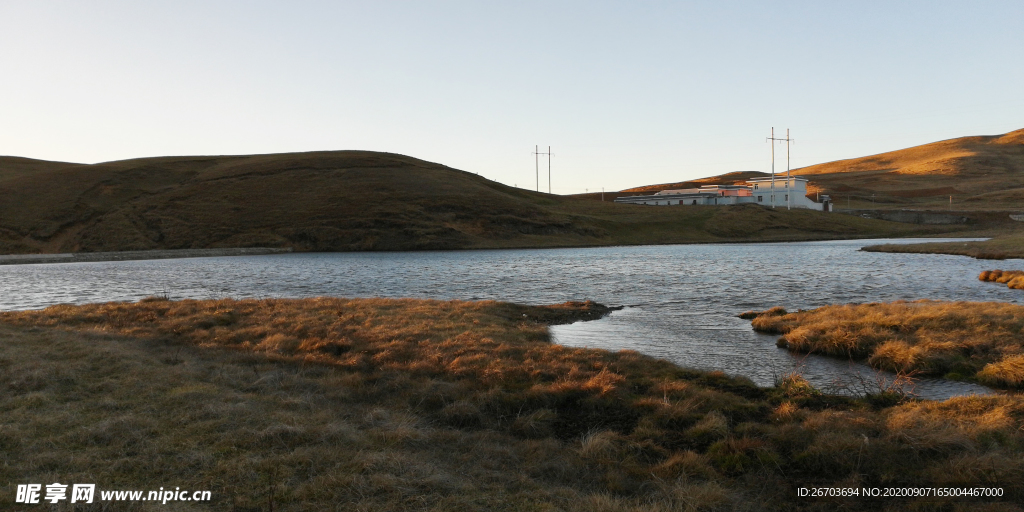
point(152, 254)
point(157, 254)
point(998, 248)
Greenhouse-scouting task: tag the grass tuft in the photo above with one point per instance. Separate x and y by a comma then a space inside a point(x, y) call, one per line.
point(1013, 278)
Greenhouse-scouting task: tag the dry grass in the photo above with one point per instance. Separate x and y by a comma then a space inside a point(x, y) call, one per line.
point(961, 340)
point(1013, 278)
point(326, 404)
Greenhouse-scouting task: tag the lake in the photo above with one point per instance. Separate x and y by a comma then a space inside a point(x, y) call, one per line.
point(681, 301)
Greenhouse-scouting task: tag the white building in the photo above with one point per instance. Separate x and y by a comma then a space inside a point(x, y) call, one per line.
point(780, 192)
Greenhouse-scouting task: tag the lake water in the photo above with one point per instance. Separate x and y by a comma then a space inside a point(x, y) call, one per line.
point(681, 301)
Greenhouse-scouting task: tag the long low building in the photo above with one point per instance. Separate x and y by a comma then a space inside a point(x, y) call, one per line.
point(790, 192)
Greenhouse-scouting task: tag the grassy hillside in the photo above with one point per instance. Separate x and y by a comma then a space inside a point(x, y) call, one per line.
point(983, 172)
point(347, 200)
point(373, 404)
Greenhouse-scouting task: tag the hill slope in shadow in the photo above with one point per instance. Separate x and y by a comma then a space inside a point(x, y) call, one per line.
point(343, 201)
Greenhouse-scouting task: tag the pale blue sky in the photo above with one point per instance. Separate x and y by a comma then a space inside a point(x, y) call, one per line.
point(626, 93)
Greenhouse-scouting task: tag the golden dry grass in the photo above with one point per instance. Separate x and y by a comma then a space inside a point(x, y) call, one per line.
point(960, 340)
point(1012, 278)
point(328, 404)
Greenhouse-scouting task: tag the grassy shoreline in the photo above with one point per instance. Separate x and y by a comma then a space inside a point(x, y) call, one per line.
point(374, 404)
point(78, 257)
point(979, 341)
point(158, 254)
point(999, 248)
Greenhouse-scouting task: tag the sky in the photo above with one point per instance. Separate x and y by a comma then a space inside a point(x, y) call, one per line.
point(625, 93)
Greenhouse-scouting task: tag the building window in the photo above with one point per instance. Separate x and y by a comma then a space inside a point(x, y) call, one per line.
point(787, 197)
point(759, 198)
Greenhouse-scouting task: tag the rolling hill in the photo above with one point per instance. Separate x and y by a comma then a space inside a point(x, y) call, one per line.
point(980, 173)
point(343, 201)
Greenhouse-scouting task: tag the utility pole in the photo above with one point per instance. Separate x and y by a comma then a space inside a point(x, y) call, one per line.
point(537, 153)
point(773, 166)
point(536, 163)
point(549, 169)
point(789, 181)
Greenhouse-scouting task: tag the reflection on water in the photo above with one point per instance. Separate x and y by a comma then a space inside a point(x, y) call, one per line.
point(682, 300)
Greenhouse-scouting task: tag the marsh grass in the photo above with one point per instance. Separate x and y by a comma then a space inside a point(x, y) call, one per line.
point(958, 340)
point(1012, 278)
point(373, 404)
